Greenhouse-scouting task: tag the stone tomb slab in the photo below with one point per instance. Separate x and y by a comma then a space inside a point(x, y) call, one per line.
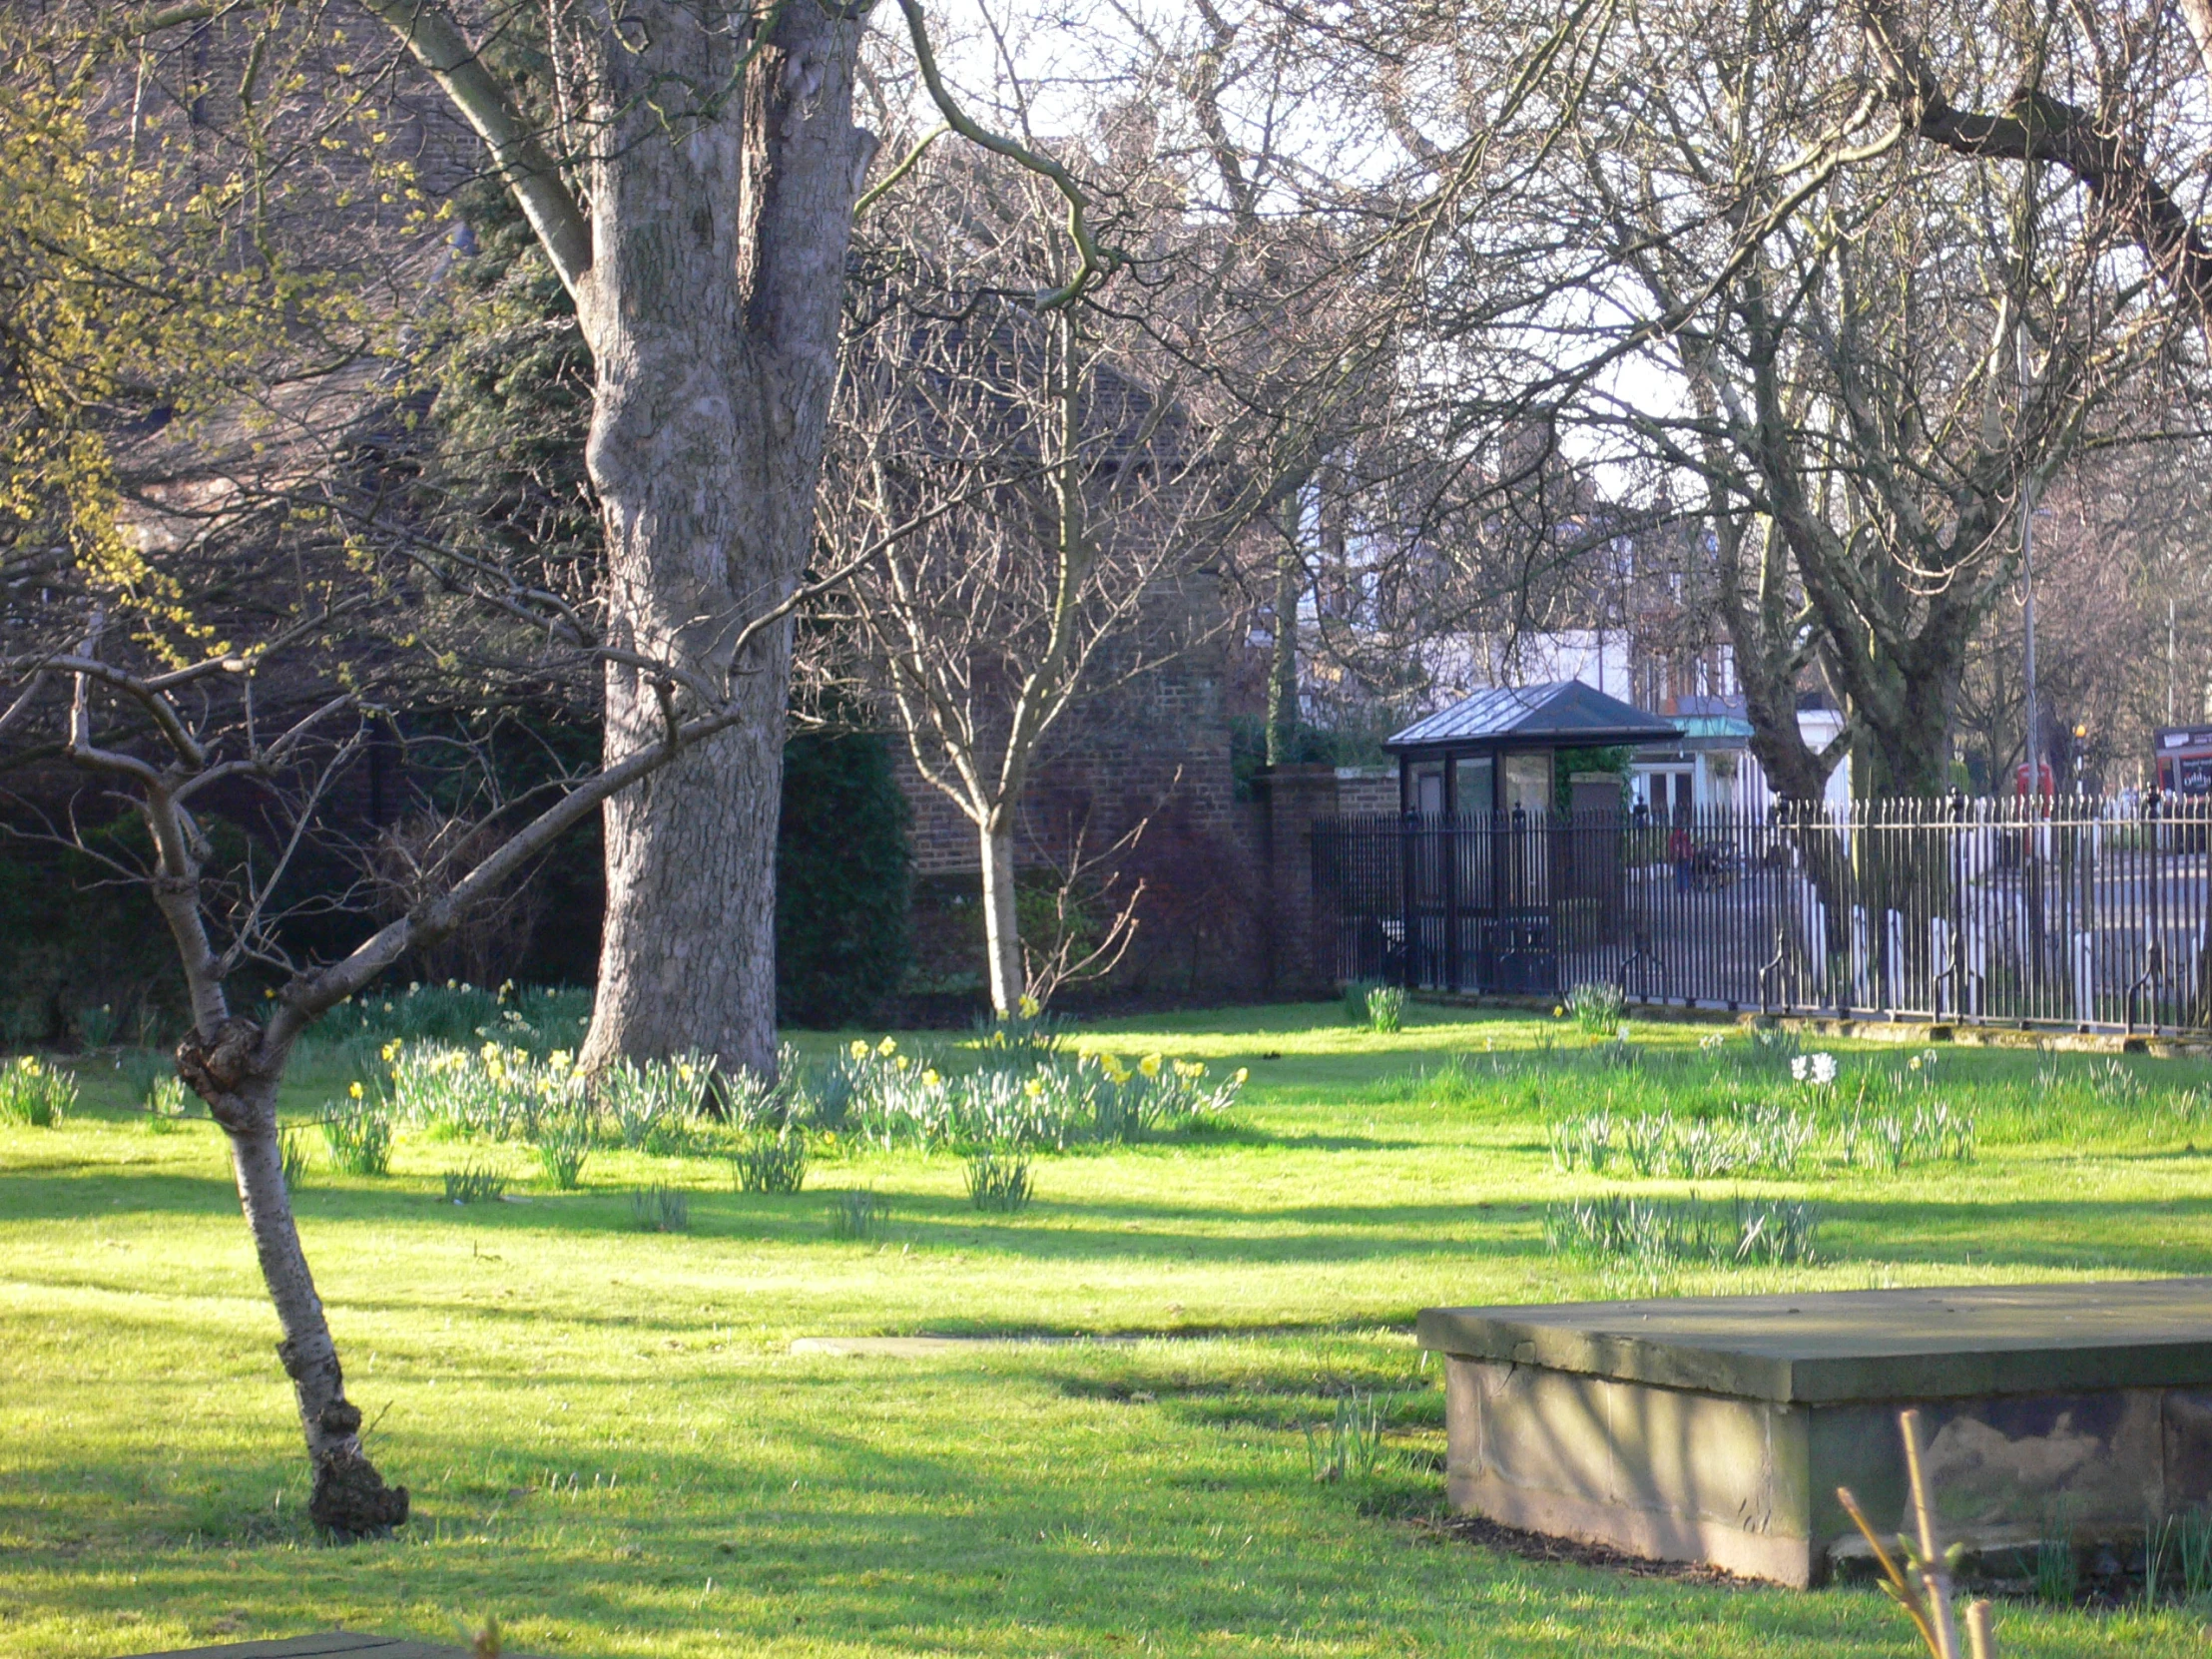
point(1716, 1428)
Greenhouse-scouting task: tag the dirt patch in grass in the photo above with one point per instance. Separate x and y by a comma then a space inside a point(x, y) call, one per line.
point(1541, 1546)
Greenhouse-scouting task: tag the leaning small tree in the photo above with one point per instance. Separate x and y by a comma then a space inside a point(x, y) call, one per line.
point(168, 744)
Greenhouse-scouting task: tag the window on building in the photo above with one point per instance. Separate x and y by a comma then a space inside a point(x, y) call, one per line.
point(1428, 788)
point(1529, 784)
point(1473, 787)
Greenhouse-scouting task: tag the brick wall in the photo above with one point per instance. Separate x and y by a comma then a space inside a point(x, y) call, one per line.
point(1361, 789)
point(1156, 747)
point(1226, 907)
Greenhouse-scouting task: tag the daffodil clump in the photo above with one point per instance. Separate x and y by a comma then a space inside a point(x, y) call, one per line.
point(892, 1099)
point(660, 1105)
point(492, 1092)
point(1726, 1111)
point(35, 1093)
point(499, 1091)
point(1028, 1031)
point(1157, 1095)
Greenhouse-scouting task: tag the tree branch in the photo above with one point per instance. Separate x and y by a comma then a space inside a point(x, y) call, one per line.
point(2037, 127)
point(1096, 264)
point(529, 169)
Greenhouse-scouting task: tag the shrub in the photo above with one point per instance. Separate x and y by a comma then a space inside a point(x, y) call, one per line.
point(858, 1213)
point(771, 1163)
point(471, 1184)
point(1597, 1007)
point(360, 1140)
point(998, 1181)
point(842, 880)
point(35, 1093)
point(1385, 1008)
point(659, 1208)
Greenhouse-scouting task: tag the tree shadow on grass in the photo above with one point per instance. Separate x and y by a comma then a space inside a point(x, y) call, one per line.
point(1159, 1529)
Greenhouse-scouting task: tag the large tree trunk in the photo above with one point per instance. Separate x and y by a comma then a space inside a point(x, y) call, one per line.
point(1001, 920)
point(237, 1078)
point(710, 306)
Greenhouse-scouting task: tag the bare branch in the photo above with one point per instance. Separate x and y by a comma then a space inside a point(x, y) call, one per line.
point(437, 43)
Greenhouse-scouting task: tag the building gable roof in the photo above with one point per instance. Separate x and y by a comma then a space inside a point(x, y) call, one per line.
point(1562, 711)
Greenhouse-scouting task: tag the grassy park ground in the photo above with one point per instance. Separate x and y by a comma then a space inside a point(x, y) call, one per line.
point(615, 1448)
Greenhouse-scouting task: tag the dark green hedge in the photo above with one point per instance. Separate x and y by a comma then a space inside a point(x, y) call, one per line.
point(842, 943)
point(71, 941)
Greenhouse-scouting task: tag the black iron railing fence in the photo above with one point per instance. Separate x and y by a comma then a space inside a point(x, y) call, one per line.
point(2088, 912)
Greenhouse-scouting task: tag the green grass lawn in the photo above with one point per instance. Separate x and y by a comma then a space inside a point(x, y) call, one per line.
point(613, 1448)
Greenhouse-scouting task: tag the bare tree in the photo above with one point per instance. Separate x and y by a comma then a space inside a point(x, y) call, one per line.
point(690, 174)
point(1066, 498)
point(1820, 328)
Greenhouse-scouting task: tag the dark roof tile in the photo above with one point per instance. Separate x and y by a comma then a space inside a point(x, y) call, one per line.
point(1563, 710)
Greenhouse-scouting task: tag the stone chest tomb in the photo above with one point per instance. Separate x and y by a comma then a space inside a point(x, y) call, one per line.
point(1718, 1429)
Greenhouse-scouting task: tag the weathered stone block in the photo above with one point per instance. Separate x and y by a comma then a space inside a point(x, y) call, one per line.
point(1718, 1429)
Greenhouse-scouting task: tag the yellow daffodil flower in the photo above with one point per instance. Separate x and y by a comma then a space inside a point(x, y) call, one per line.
point(1149, 1065)
point(929, 1079)
point(354, 1089)
point(860, 1049)
point(886, 1048)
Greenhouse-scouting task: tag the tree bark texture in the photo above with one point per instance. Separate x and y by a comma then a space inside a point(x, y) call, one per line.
point(1001, 919)
point(232, 1071)
point(711, 308)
